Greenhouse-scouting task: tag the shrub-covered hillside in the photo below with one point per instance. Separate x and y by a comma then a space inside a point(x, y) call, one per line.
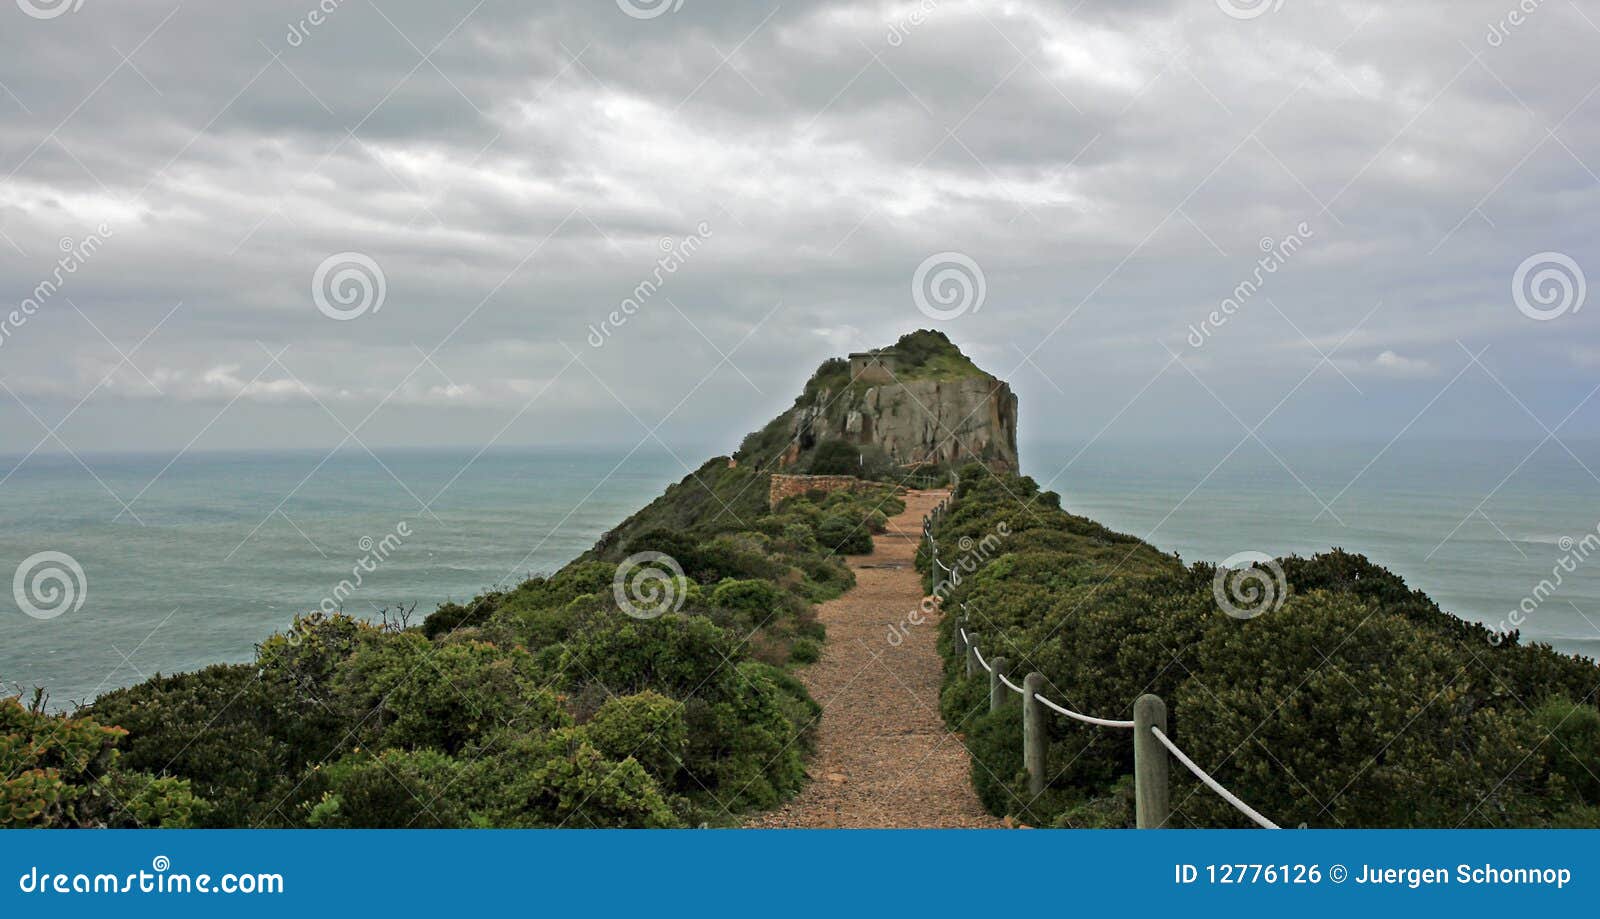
point(1357, 703)
point(544, 705)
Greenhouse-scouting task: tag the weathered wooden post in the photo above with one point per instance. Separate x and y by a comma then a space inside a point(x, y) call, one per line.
point(960, 643)
point(997, 689)
point(1150, 763)
point(972, 658)
point(1034, 739)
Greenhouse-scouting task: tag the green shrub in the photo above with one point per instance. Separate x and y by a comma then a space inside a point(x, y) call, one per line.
point(219, 729)
point(756, 598)
point(806, 651)
point(844, 536)
point(63, 771)
point(393, 789)
point(406, 693)
point(648, 727)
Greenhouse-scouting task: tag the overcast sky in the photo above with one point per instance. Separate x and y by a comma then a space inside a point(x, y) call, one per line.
point(472, 189)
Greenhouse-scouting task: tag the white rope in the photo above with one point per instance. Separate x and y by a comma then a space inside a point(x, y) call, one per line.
point(1212, 783)
point(964, 639)
point(1079, 716)
point(1012, 686)
point(981, 661)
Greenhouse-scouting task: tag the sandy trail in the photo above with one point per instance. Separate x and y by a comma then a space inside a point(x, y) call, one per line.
point(884, 757)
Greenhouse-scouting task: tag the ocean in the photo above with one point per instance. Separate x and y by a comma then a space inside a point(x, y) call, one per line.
point(226, 547)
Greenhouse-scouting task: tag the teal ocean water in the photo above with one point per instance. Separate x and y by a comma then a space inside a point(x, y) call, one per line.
point(227, 547)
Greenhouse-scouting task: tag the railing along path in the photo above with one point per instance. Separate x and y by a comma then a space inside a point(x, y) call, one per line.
point(1151, 745)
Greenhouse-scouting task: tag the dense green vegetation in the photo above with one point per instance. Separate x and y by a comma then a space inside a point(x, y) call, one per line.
point(1357, 703)
point(543, 705)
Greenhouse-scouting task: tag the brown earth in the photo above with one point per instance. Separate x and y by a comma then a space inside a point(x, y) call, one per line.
point(884, 757)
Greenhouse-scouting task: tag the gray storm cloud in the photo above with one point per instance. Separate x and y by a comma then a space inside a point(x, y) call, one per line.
point(1117, 171)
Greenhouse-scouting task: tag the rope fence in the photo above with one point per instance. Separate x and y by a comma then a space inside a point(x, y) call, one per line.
point(1152, 748)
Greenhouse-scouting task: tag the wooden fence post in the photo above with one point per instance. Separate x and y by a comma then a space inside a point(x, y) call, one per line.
point(1149, 763)
point(972, 659)
point(997, 689)
point(1034, 739)
point(955, 636)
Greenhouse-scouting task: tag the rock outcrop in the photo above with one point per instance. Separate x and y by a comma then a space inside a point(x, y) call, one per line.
point(935, 422)
point(920, 402)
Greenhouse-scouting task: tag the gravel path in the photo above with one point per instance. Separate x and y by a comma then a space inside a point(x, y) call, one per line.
point(884, 757)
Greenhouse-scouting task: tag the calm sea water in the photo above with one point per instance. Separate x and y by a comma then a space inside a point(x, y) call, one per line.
point(227, 547)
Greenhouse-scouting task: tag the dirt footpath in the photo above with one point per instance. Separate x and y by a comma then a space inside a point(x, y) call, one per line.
point(884, 757)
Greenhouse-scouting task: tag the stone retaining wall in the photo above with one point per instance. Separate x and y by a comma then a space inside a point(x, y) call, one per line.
point(787, 486)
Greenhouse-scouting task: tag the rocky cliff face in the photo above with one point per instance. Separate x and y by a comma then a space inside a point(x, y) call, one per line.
point(920, 402)
point(940, 422)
